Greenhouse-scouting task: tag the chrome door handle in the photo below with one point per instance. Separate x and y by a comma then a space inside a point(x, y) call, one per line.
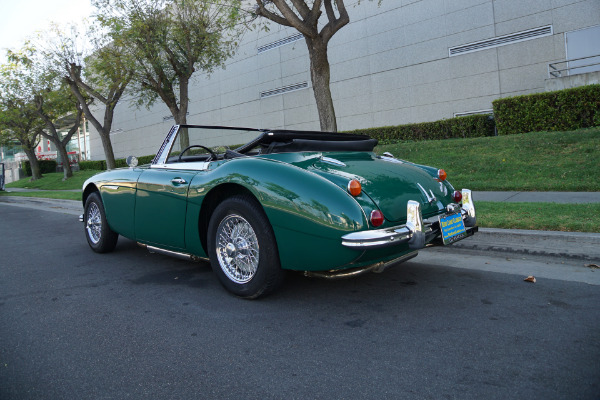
point(178, 181)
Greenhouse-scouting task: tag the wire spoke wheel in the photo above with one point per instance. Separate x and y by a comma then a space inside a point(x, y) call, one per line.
point(237, 248)
point(242, 248)
point(93, 223)
point(97, 231)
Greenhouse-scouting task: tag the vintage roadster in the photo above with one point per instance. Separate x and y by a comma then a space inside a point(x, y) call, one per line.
point(317, 202)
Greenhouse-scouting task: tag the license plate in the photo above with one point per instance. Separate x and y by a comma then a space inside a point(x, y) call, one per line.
point(453, 228)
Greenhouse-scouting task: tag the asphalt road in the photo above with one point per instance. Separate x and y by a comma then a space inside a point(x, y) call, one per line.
point(129, 325)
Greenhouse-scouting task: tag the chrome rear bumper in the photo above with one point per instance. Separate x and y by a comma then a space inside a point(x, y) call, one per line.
point(418, 233)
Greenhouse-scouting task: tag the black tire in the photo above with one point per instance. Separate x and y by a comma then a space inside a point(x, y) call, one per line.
point(242, 248)
point(97, 232)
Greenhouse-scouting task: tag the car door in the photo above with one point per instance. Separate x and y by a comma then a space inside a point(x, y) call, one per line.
point(160, 208)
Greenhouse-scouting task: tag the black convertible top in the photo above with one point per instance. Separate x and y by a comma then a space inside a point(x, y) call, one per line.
point(286, 141)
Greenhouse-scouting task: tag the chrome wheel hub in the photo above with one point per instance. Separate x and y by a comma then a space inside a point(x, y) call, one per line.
point(93, 223)
point(237, 249)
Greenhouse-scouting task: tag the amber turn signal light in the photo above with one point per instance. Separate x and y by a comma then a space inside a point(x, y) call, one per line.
point(354, 187)
point(442, 175)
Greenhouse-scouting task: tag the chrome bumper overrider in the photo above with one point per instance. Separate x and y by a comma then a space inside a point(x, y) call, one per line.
point(418, 233)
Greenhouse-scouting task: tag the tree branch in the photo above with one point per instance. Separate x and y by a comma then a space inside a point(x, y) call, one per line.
point(262, 11)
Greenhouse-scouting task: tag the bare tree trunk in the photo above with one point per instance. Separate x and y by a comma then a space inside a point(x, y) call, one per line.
point(33, 163)
point(180, 113)
point(108, 150)
point(320, 76)
point(68, 172)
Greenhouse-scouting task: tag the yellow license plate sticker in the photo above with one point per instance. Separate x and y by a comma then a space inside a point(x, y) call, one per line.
point(453, 228)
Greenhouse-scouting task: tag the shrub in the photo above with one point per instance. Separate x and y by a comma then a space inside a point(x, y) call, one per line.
point(459, 127)
point(46, 167)
point(145, 159)
point(562, 110)
point(94, 165)
point(120, 163)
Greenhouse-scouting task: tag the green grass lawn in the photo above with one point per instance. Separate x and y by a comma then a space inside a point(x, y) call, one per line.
point(538, 161)
point(539, 216)
point(54, 181)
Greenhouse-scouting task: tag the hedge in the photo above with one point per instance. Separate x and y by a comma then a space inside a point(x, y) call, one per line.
point(120, 162)
point(562, 110)
point(46, 167)
point(94, 165)
point(459, 127)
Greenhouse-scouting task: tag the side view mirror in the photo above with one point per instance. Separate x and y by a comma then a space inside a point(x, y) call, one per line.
point(131, 161)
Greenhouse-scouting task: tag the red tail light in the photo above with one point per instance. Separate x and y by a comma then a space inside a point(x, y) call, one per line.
point(457, 196)
point(377, 218)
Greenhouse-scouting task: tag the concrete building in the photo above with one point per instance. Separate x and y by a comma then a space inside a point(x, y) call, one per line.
point(401, 62)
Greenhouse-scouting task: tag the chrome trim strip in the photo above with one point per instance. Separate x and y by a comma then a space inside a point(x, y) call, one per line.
point(185, 256)
point(389, 158)
point(195, 166)
point(377, 238)
point(332, 161)
point(111, 187)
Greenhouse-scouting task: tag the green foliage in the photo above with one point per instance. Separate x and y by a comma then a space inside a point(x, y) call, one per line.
point(168, 40)
point(46, 167)
point(145, 159)
point(97, 165)
point(567, 109)
point(460, 127)
point(100, 165)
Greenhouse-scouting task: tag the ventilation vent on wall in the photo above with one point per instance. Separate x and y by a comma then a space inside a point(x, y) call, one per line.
point(285, 89)
point(501, 40)
point(279, 43)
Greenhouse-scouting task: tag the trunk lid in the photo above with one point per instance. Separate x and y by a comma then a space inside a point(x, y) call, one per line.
point(388, 182)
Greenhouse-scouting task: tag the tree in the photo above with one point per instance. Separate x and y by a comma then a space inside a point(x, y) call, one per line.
point(52, 104)
point(97, 69)
point(18, 117)
point(35, 83)
point(304, 16)
point(169, 40)
point(20, 122)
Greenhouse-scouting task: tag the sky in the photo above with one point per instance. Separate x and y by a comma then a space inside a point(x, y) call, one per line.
point(20, 19)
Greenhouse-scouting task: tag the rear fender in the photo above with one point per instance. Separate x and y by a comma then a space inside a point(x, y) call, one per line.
point(308, 213)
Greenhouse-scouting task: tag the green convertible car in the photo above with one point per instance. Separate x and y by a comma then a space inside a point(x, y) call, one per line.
point(317, 202)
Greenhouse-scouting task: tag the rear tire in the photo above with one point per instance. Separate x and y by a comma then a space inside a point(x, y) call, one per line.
point(242, 248)
point(97, 232)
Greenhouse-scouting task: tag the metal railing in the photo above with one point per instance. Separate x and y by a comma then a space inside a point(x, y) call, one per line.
point(562, 68)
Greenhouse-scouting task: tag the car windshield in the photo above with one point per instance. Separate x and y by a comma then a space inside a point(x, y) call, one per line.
point(189, 143)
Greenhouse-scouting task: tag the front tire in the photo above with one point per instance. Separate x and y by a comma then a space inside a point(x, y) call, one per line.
point(242, 248)
point(97, 232)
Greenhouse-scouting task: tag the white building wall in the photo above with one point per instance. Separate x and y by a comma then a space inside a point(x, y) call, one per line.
point(389, 66)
